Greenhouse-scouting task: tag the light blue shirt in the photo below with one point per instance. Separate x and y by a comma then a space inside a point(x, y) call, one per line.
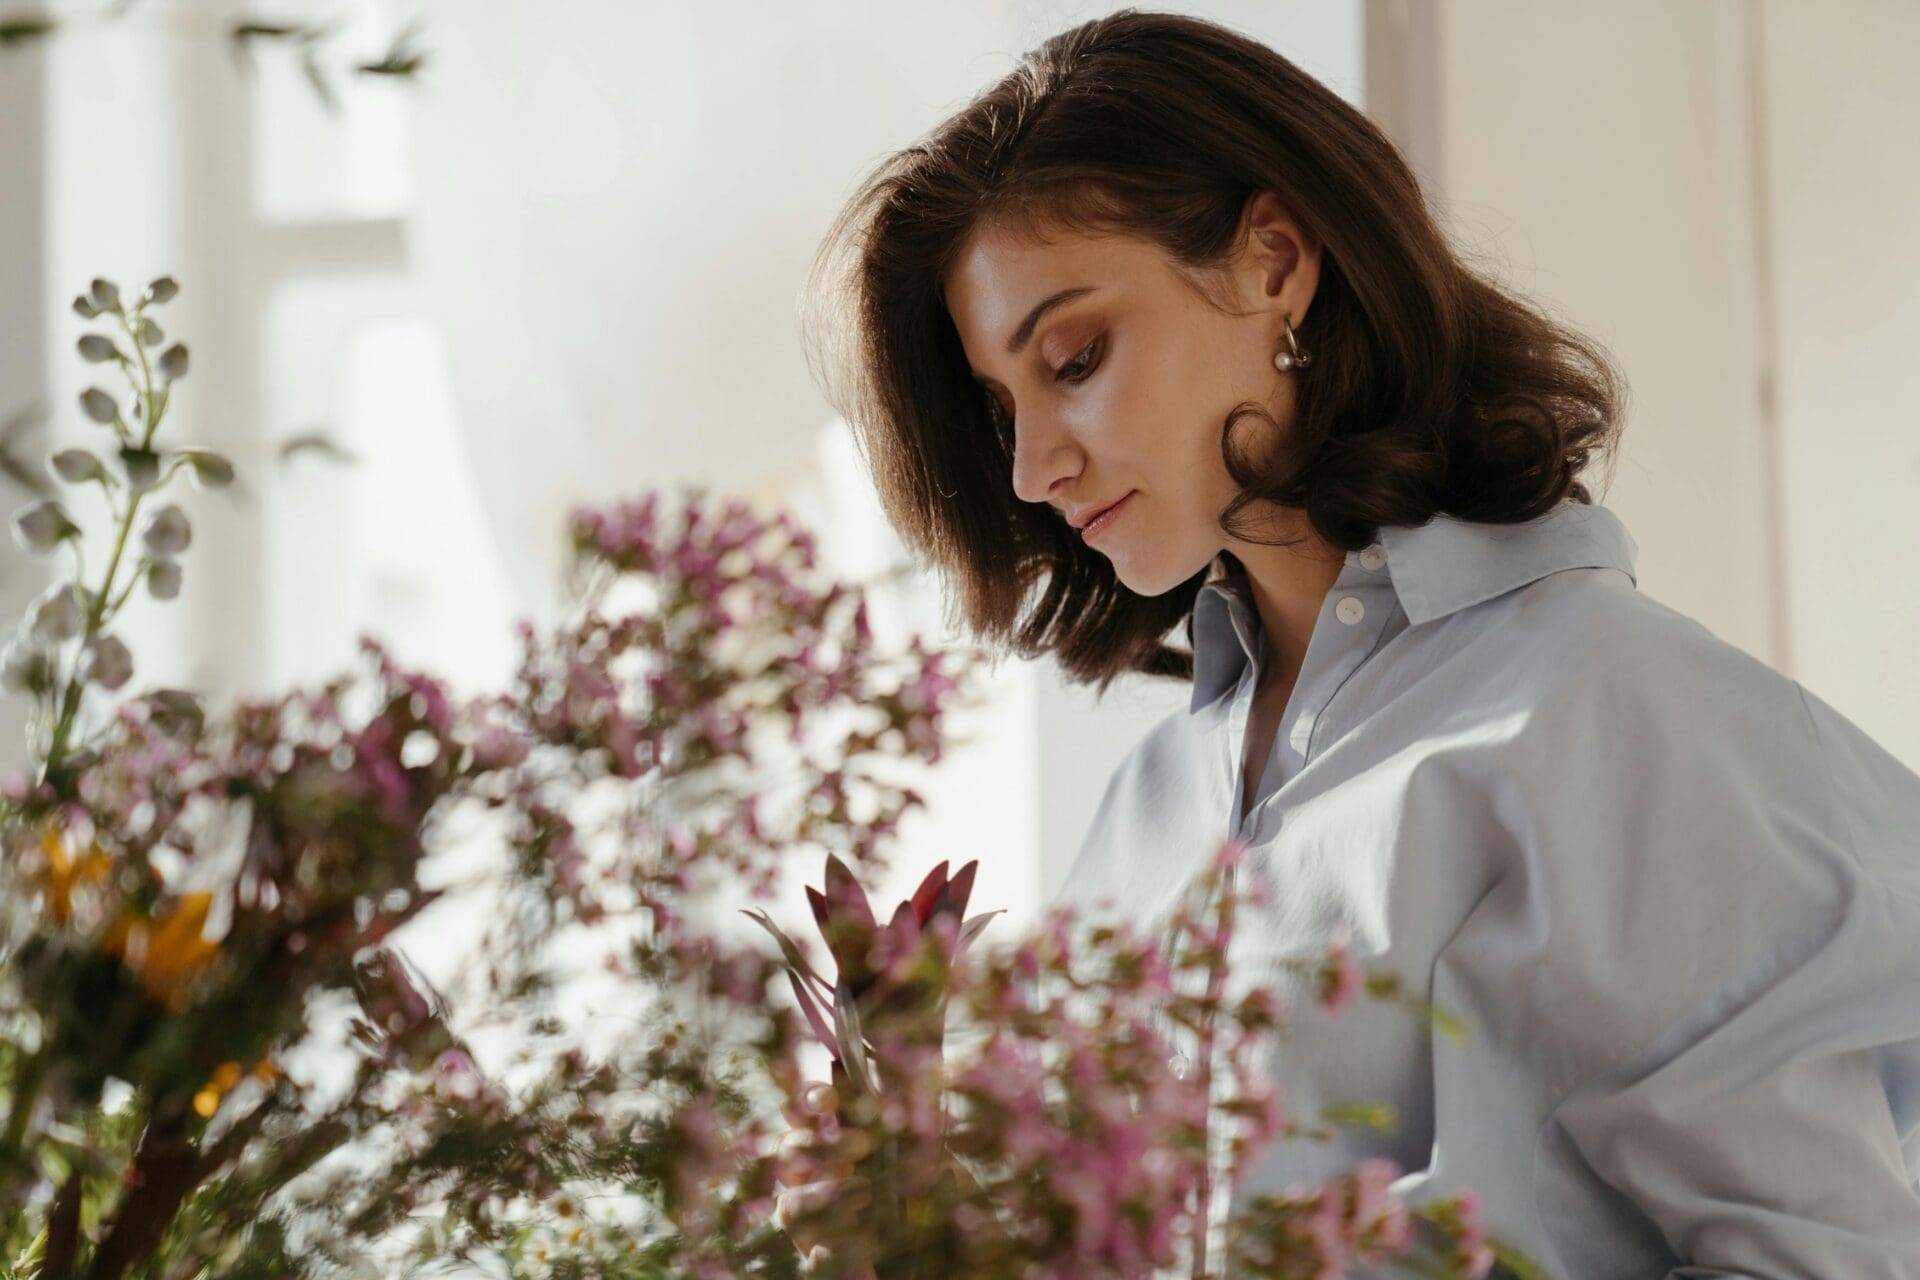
point(1674, 896)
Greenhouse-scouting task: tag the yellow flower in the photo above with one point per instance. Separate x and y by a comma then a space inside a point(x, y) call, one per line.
point(167, 951)
point(62, 874)
point(225, 1077)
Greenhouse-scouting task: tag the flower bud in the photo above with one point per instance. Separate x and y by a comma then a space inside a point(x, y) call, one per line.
point(163, 579)
point(97, 348)
point(141, 465)
point(77, 466)
point(99, 406)
point(210, 470)
point(104, 294)
point(108, 662)
point(168, 532)
point(26, 667)
point(42, 526)
point(173, 362)
point(58, 615)
point(163, 289)
point(178, 711)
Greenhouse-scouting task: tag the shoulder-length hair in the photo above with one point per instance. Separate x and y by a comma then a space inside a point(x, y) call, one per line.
point(1431, 390)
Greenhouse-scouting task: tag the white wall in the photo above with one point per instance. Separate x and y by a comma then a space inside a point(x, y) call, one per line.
point(23, 338)
point(1724, 193)
point(617, 206)
point(1597, 157)
point(1842, 111)
point(612, 208)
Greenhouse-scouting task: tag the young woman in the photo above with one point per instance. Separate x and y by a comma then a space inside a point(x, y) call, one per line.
point(1156, 340)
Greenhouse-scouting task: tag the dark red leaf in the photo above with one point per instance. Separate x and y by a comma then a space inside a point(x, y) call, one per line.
point(929, 890)
point(961, 887)
point(845, 893)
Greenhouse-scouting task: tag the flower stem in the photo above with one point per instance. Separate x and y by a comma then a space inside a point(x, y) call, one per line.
point(97, 608)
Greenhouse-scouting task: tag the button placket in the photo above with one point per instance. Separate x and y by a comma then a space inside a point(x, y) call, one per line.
point(1360, 627)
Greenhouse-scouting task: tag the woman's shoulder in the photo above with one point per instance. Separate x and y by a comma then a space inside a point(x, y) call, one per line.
point(1672, 713)
point(1584, 634)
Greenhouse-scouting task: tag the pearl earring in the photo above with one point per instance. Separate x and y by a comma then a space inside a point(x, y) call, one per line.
point(1294, 358)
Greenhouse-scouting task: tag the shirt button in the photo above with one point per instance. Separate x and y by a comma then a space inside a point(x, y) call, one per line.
point(1302, 734)
point(1372, 558)
point(1350, 610)
point(1177, 1063)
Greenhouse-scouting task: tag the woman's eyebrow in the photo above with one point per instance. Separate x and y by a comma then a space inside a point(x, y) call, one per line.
point(1022, 335)
point(1018, 339)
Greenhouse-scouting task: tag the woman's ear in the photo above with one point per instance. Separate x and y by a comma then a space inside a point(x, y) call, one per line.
point(1280, 259)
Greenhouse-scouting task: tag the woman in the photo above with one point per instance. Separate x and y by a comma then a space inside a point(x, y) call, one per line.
point(1157, 340)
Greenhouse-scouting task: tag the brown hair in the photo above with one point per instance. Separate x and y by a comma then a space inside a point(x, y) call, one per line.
point(1431, 389)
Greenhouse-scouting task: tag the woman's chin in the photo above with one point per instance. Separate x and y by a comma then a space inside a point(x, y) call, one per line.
point(1144, 576)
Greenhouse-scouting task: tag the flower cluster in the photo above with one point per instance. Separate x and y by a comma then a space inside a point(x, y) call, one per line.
point(219, 1056)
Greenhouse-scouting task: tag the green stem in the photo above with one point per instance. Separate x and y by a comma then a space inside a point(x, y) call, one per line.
point(97, 610)
point(26, 1092)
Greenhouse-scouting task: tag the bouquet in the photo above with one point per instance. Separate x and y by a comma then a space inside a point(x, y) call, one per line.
point(219, 1056)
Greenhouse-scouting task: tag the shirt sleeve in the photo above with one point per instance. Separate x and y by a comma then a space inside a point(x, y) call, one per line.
point(1768, 1129)
point(1764, 1146)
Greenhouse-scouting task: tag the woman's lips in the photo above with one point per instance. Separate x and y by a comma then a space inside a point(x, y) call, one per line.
point(1100, 523)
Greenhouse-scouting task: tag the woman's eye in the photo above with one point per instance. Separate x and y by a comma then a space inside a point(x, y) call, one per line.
point(1079, 368)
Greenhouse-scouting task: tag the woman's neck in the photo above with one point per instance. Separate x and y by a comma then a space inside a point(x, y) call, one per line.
point(1288, 585)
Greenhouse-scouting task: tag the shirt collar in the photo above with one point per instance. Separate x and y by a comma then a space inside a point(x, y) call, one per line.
point(1436, 569)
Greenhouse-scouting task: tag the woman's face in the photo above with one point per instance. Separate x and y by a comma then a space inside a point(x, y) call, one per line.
point(1120, 389)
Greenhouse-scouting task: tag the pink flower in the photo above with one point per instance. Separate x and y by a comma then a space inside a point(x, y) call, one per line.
point(1339, 977)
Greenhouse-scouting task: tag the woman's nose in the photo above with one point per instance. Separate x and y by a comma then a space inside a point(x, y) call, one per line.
point(1042, 457)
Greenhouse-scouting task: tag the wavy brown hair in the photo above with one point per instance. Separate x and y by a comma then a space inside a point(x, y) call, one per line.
point(1431, 390)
